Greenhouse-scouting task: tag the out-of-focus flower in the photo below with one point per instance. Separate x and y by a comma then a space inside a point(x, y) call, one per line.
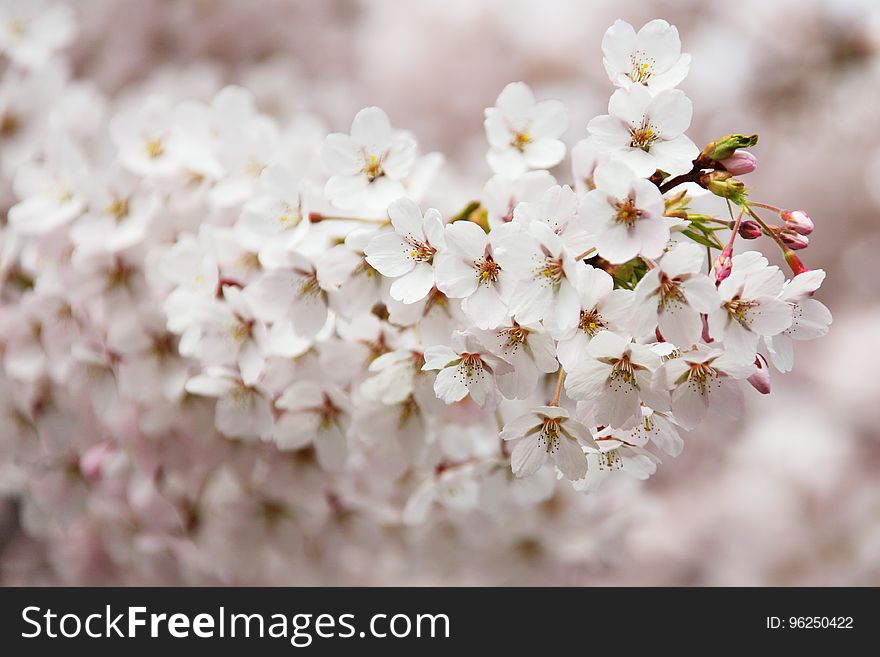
point(31, 31)
point(369, 165)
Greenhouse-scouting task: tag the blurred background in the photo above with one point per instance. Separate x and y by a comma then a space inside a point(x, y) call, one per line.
point(790, 495)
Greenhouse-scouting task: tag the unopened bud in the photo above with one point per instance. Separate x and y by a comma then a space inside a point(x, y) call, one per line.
point(797, 267)
point(750, 230)
point(740, 163)
point(723, 184)
point(676, 206)
point(723, 148)
point(760, 380)
point(798, 221)
point(723, 265)
point(794, 241)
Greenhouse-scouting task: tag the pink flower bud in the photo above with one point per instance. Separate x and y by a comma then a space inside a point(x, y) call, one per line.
point(798, 221)
point(750, 230)
point(794, 241)
point(760, 380)
point(723, 266)
point(797, 267)
point(740, 162)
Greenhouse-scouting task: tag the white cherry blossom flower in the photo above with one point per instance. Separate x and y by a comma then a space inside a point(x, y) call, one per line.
point(614, 454)
point(467, 368)
point(394, 376)
point(148, 140)
point(601, 308)
point(558, 209)
point(657, 427)
point(586, 156)
point(546, 274)
point(31, 31)
point(673, 295)
point(314, 415)
point(528, 349)
point(403, 424)
point(810, 318)
point(502, 194)
point(702, 379)
point(357, 286)
point(548, 433)
point(646, 131)
point(523, 133)
point(750, 307)
point(278, 209)
point(290, 288)
point(625, 213)
point(229, 332)
point(468, 270)
point(616, 377)
point(652, 57)
point(370, 165)
point(51, 193)
point(242, 411)
point(407, 253)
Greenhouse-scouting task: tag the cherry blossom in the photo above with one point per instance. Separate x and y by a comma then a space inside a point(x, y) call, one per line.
point(810, 318)
point(524, 133)
point(546, 274)
point(468, 270)
point(625, 213)
point(673, 296)
point(613, 454)
point(314, 415)
point(466, 368)
point(616, 377)
point(371, 164)
point(547, 433)
point(601, 308)
point(407, 253)
point(31, 31)
point(236, 349)
point(646, 131)
point(750, 307)
point(705, 378)
point(652, 57)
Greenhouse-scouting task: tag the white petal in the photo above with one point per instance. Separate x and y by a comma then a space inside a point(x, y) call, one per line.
point(570, 459)
point(415, 285)
point(527, 457)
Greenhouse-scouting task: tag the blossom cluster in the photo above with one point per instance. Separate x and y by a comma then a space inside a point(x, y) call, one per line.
point(178, 267)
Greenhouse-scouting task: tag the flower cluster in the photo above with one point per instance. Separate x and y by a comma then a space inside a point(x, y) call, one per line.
point(179, 266)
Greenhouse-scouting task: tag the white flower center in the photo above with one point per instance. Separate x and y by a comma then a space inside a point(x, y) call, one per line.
point(470, 367)
point(420, 251)
point(373, 166)
point(641, 67)
point(643, 135)
point(737, 309)
point(548, 439)
point(591, 322)
point(487, 270)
